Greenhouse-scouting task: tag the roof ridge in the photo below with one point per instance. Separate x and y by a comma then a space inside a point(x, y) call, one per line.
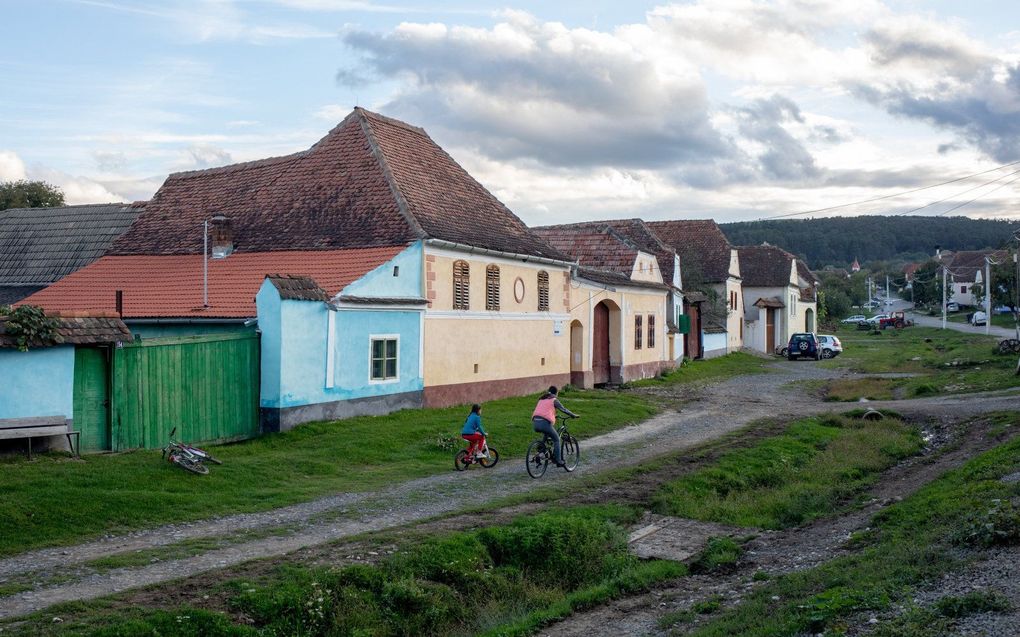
point(244, 165)
point(127, 204)
point(390, 120)
point(391, 181)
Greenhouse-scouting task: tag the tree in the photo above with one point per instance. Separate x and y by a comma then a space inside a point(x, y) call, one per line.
point(29, 194)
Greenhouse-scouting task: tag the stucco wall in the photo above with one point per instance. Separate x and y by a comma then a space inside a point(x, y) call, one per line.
point(39, 382)
point(714, 344)
point(383, 281)
point(439, 282)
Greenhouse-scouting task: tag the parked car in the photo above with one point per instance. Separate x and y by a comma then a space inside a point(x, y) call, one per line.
point(1002, 309)
point(978, 318)
point(803, 345)
point(856, 318)
point(831, 347)
point(952, 306)
point(878, 318)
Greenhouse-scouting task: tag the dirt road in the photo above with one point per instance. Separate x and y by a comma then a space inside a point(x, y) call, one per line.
point(701, 414)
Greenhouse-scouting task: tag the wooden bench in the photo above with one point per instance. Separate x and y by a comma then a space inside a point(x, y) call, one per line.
point(40, 427)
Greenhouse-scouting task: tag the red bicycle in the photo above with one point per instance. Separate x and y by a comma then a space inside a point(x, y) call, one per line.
point(487, 457)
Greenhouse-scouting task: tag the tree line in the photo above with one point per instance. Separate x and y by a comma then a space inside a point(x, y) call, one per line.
point(837, 241)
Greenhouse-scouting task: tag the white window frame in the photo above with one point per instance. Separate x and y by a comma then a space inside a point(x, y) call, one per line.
point(372, 338)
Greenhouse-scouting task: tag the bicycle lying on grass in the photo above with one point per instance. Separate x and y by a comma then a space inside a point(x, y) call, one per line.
point(187, 457)
point(541, 452)
point(488, 457)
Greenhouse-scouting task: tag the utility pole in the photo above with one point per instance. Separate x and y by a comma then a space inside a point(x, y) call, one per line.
point(943, 297)
point(887, 287)
point(988, 293)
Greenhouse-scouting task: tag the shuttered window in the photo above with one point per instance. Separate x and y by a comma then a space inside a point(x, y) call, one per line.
point(651, 330)
point(638, 331)
point(461, 285)
point(492, 288)
point(543, 291)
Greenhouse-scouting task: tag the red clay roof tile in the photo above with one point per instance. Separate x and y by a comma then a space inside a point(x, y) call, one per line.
point(171, 285)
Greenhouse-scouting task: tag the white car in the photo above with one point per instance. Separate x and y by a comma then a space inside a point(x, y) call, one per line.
point(978, 318)
point(878, 317)
point(855, 319)
point(830, 346)
point(952, 306)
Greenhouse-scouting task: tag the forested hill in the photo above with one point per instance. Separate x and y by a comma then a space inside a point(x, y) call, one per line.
point(839, 240)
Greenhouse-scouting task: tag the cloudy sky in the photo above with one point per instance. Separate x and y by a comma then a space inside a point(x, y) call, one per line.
point(728, 109)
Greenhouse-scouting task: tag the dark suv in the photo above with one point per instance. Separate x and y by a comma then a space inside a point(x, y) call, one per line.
point(804, 344)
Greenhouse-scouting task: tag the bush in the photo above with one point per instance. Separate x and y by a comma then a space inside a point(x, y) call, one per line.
point(972, 604)
point(998, 525)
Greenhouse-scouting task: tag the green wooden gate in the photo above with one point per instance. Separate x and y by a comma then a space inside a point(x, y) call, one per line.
point(91, 398)
point(206, 386)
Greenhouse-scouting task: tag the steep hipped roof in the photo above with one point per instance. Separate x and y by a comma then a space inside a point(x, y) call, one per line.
point(157, 286)
point(77, 329)
point(806, 273)
point(765, 266)
point(701, 244)
point(637, 233)
point(371, 181)
point(593, 246)
point(40, 245)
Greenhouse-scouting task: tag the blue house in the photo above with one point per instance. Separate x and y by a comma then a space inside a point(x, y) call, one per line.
point(357, 352)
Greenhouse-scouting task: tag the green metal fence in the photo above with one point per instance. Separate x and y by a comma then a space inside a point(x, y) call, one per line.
point(206, 386)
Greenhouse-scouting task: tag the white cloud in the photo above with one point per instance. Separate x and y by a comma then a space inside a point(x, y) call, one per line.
point(11, 166)
point(332, 112)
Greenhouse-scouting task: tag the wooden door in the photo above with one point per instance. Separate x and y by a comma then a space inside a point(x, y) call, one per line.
point(600, 344)
point(770, 330)
point(91, 398)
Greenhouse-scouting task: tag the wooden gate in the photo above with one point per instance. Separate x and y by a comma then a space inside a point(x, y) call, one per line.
point(91, 397)
point(770, 330)
point(600, 344)
point(206, 386)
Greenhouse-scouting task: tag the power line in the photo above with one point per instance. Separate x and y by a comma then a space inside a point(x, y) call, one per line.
point(999, 187)
point(962, 192)
point(897, 194)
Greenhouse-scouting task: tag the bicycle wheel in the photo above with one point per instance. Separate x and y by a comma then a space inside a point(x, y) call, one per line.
point(570, 451)
point(489, 460)
point(191, 465)
point(460, 461)
point(537, 459)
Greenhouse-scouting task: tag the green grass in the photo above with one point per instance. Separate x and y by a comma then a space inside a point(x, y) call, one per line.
point(793, 478)
point(944, 362)
point(721, 368)
point(54, 500)
point(936, 531)
point(503, 580)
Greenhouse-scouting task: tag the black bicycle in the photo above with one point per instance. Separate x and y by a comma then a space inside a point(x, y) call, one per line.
point(541, 452)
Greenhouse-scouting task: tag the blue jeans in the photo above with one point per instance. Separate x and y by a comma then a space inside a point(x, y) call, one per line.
point(543, 426)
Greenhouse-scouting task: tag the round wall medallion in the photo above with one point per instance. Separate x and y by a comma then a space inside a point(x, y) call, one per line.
point(519, 289)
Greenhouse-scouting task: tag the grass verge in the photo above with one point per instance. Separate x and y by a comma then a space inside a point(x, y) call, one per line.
point(793, 478)
point(945, 524)
point(943, 362)
point(122, 492)
point(721, 368)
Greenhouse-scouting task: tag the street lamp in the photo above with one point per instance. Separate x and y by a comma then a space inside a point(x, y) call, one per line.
point(205, 257)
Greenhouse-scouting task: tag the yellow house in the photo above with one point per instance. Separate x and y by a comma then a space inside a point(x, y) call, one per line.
point(618, 303)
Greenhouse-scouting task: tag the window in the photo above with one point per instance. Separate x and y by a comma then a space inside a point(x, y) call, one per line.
point(733, 301)
point(963, 289)
point(638, 331)
point(384, 358)
point(543, 291)
point(651, 330)
point(492, 288)
point(461, 285)
point(793, 305)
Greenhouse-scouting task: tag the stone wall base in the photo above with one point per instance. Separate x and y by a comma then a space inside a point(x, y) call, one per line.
point(482, 391)
point(272, 419)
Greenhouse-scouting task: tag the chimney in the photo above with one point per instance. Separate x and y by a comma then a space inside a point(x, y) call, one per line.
point(221, 233)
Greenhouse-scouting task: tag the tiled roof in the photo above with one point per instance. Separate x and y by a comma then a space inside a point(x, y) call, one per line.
point(40, 245)
point(297, 288)
point(637, 233)
point(965, 264)
point(75, 329)
point(806, 273)
point(171, 285)
point(11, 293)
point(701, 244)
point(371, 181)
point(765, 266)
point(769, 302)
point(593, 246)
point(807, 295)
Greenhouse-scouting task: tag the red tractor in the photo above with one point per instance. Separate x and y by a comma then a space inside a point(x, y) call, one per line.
point(896, 319)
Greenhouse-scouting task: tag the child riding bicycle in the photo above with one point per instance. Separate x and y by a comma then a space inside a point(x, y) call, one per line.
point(543, 420)
point(472, 432)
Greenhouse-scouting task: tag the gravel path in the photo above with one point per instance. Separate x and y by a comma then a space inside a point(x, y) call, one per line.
point(706, 413)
